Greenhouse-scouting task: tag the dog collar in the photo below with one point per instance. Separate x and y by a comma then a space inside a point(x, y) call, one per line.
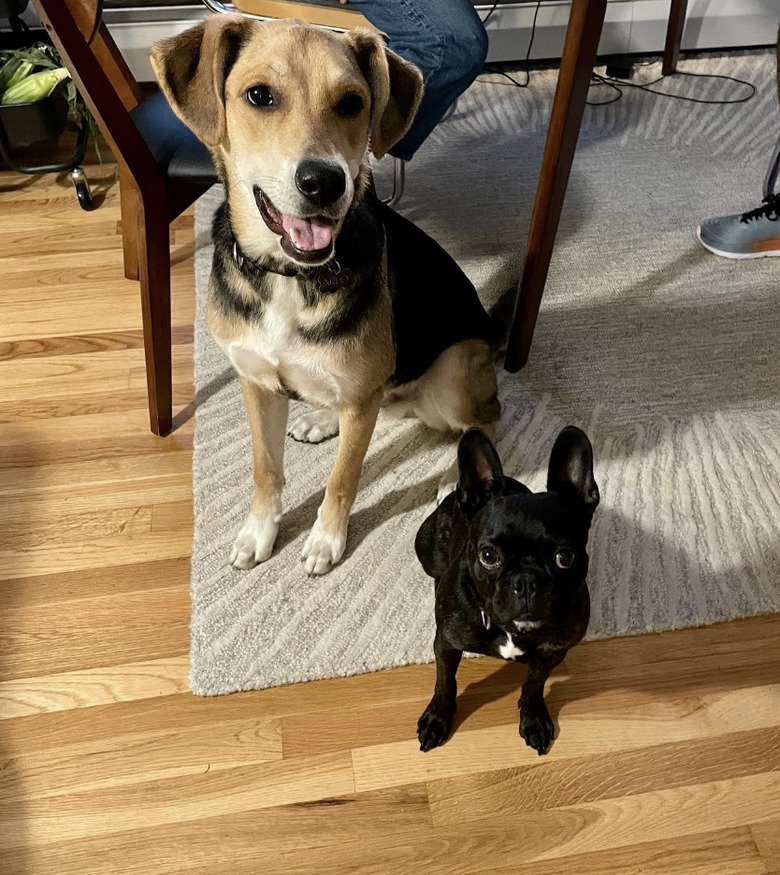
point(328, 277)
point(241, 262)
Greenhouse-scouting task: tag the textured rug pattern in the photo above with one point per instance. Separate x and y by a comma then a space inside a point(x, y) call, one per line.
point(665, 354)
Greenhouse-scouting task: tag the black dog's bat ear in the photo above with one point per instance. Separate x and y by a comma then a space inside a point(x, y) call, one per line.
point(480, 476)
point(570, 473)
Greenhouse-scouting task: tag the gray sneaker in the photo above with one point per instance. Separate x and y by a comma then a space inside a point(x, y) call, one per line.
point(750, 235)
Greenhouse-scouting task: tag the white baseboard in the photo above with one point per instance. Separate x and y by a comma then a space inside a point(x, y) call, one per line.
point(633, 26)
point(135, 32)
point(630, 26)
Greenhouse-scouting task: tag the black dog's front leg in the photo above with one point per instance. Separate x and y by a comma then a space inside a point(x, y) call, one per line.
point(434, 725)
point(536, 726)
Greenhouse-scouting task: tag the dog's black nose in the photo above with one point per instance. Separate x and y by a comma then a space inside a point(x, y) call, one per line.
point(321, 182)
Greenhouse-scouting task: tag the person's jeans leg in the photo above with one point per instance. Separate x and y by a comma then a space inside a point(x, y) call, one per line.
point(445, 39)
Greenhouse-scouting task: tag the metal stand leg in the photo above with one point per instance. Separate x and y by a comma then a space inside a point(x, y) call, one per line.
point(399, 170)
point(81, 184)
point(399, 181)
point(773, 171)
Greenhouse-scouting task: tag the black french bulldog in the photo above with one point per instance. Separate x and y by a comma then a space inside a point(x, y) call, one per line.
point(510, 567)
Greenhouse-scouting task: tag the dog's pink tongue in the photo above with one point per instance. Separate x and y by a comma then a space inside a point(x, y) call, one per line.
point(308, 234)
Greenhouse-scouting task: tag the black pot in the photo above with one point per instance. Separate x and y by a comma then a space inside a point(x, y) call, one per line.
point(12, 8)
point(25, 123)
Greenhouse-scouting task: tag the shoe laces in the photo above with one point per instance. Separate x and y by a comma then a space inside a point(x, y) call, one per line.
point(769, 209)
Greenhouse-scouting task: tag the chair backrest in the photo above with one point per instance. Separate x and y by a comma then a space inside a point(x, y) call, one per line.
point(87, 15)
point(332, 14)
point(102, 77)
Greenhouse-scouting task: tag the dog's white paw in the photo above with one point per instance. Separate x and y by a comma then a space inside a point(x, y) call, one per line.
point(315, 426)
point(255, 541)
point(447, 483)
point(322, 550)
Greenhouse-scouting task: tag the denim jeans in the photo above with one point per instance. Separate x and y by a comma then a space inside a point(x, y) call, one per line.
point(445, 39)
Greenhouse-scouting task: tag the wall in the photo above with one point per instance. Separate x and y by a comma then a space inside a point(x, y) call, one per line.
point(631, 26)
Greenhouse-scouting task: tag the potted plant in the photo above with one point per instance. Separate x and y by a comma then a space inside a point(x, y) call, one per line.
point(36, 97)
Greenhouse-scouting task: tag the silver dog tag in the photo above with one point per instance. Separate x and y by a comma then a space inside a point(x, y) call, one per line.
point(485, 620)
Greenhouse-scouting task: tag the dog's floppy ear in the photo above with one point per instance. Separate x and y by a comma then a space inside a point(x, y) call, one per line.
point(480, 476)
point(570, 473)
point(396, 88)
point(191, 69)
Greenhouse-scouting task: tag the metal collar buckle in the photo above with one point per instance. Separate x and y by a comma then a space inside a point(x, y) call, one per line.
point(238, 256)
point(328, 277)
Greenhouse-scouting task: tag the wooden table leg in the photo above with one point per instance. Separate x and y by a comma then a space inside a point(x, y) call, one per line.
point(577, 62)
point(674, 32)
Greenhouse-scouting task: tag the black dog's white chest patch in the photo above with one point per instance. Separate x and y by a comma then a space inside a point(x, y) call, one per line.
point(508, 649)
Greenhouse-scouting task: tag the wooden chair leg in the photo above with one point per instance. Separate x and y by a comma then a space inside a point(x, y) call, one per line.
point(674, 32)
point(155, 275)
point(129, 204)
point(579, 57)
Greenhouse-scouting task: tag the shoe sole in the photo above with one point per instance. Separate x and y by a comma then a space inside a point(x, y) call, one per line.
point(737, 255)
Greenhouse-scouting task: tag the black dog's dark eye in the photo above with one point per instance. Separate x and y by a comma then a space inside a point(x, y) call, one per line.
point(260, 95)
point(349, 105)
point(489, 557)
point(564, 559)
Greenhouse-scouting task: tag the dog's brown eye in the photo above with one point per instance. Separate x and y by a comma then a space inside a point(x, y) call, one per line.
point(489, 557)
point(349, 105)
point(564, 559)
point(260, 95)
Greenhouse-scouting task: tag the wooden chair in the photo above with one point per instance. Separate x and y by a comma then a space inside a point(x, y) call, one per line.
point(577, 62)
point(163, 168)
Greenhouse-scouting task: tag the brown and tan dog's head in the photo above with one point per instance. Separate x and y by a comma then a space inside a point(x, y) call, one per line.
point(289, 112)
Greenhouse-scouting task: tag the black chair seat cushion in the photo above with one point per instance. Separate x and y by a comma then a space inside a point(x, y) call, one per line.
point(176, 149)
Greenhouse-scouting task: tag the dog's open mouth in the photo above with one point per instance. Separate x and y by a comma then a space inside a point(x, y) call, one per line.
point(307, 239)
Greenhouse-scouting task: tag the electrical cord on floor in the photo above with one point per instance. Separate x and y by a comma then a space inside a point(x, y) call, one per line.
point(618, 84)
point(492, 10)
point(489, 68)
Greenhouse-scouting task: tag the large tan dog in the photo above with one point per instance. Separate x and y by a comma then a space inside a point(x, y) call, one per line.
point(318, 291)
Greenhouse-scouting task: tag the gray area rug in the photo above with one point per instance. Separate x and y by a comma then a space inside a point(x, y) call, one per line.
point(665, 354)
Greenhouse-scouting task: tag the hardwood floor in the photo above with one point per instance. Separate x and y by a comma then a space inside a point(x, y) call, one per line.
point(668, 759)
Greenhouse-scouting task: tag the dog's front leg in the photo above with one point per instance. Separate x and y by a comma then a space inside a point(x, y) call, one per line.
point(327, 540)
point(267, 413)
point(536, 726)
point(434, 725)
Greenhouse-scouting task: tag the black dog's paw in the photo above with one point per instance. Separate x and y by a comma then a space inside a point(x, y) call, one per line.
point(433, 727)
point(537, 728)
